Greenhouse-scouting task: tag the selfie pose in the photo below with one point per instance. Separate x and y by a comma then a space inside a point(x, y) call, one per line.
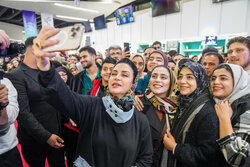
point(112, 132)
point(231, 90)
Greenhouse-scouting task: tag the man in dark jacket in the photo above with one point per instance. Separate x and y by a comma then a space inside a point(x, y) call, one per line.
point(39, 122)
point(83, 81)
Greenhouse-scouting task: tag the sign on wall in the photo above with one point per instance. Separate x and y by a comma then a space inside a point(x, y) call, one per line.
point(29, 21)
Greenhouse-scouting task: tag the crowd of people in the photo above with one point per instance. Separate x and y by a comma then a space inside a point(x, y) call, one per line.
point(154, 109)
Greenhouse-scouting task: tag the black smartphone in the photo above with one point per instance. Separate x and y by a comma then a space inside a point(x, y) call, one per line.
point(127, 46)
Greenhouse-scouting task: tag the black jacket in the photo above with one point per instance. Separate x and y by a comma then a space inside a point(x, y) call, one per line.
point(76, 83)
point(37, 119)
point(156, 127)
point(200, 147)
point(102, 142)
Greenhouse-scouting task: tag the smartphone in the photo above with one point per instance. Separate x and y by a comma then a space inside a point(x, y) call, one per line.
point(127, 46)
point(69, 38)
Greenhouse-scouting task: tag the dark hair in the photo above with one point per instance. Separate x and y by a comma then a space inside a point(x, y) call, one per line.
point(226, 67)
point(171, 61)
point(172, 53)
point(183, 61)
point(29, 41)
point(109, 60)
point(239, 39)
point(89, 49)
point(148, 48)
point(193, 57)
point(225, 54)
point(131, 64)
point(209, 49)
point(221, 60)
point(76, 56)
point(114, 47)
point(156, 42)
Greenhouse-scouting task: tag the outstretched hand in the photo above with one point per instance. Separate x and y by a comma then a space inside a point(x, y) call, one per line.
point(42, 41)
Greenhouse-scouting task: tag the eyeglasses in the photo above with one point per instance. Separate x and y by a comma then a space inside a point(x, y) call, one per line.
point(115, 53)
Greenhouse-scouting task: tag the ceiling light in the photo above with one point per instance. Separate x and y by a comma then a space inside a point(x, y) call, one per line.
point(76, 8)
point(71, 18)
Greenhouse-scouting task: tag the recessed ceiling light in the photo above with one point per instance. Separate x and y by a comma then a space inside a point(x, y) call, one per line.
point(71, 18)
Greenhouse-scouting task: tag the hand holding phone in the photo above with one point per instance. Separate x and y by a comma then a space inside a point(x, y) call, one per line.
point(69, 39)
point(126, 50)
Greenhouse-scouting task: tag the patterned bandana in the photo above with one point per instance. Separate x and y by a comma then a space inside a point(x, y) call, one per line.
point(165, 105)
point(126, 103)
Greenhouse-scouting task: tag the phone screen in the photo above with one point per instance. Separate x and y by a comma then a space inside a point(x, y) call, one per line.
point(126, 45)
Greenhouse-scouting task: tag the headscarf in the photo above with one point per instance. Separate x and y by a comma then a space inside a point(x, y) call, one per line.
point(165, 58)
point(144, 63)
point(166, 105)
point(202, 81)
point(61, 69)
point(241, 84)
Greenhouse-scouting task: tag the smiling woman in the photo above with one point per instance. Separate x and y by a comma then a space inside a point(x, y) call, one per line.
point(231, 89)
point(112, 132)
point(192, 141)
point(159, 108)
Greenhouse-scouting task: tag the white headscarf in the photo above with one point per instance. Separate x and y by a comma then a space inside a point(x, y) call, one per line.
point(241, 84)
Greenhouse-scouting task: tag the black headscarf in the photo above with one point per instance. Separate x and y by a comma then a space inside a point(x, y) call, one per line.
point(201, 80)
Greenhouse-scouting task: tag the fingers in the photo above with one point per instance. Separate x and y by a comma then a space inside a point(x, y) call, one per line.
point(3, 94)
point(4, 40)
point(58, 143)
point(138, 103)
point(47, 32)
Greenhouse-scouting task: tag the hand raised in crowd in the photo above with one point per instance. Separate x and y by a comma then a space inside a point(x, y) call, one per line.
point(125, 54)
point(223, 110)
point(55, 141)
point(4, 40)
point(169, 141)
point(42, 41)
point(3, 94)
point(138, 103)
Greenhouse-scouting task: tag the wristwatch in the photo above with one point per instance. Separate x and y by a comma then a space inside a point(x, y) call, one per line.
point(2, 106)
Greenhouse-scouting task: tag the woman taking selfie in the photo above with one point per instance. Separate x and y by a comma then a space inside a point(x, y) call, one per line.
point(192, 141)
point(159, 109)
point(112, 132)
point(230, 85)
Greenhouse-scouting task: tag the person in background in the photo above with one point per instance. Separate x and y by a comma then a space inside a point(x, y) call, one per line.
point(155, 58)
point(159, 108)
point(171, 54)
point(230, 86)
point(239, 52)
point(171, 65)
point(115, 52)
point(99, 55)
point(112, 132)
point(15, 63)
point(9, 67)
point(157, 45)
point(195, 58)
point(210, 61)
point(139, 62)
point(74, 71)
point(83, 81)
point(147, 51)
point(9, 154)
point(192, 140)
point(39, 124)
point(225, 57)
point(99, 60)
point(100, 85)
point(177, 57)
point(206, 50)
point(69, 128)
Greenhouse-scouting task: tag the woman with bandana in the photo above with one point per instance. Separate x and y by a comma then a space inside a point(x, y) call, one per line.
point(230, 85)
point(159, 108)
point(112, 132)
point(192, 141)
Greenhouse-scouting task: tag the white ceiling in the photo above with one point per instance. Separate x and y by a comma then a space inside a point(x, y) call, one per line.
point(105, 7)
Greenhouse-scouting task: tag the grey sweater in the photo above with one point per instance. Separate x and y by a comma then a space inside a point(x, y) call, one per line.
point(9, 140)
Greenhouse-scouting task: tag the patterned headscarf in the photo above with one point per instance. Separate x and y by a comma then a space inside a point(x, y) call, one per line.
point(201, 80)
point(166, 105)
